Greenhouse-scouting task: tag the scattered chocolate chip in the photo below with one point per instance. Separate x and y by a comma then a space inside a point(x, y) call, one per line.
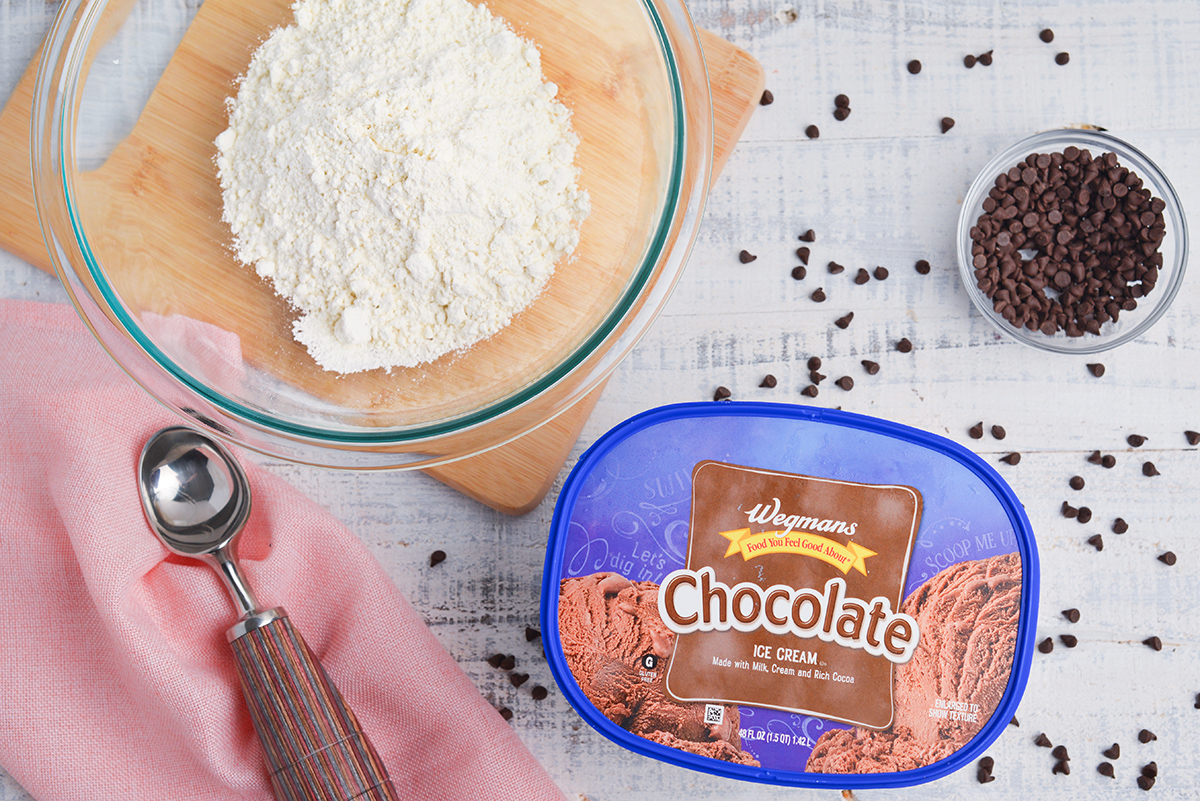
point(505, 713)
point(769, 381)
point(1063, 767)
point(814, 363)
point(862, 276)
point(1012, 458)
point(798, 272)
point(818, 295)
point(1043, 741)
point(531, 634)
point(841, 101)
point(1193, 437)
point(808, 236)
point(1145, 782)
point(1136, 440)
point(984, 776)
point(539, 692)
point(987, 763)
point(840, 114)
point(1062, 58)
point(904, 345)
point(947, 123)
point(1076, 482)
point(1167, 558)
point(1113, 752)
point(767, 98)
point(518, 679)
point(845, 382)
point(844, 322)
point(722, 393)
point(1096, 541)
point(969, 61)
point(803, 253)
point(815, 377)
point(1046, 35)
point(998, 432)
point(1108, 461)
point(985, 58)
point(1085, 515)
point(1014, 722)
point(922, 267)
point(1145, 736)
point(1095, 457)
point(508, 663)
point(1197, 704)
point(745, 257)
point(1119, 526)
point(1105, 769)
point(1046, 645)
point(1150, 769)
point(871, 367)
point(809, 392)
point(1068, 640)
point(495, 660)
point(835, 268)
point(1069, 511)
point(914, 66)
point(1149, 470)
point(437, 557)
point(1156, 644)
point(976, 431)
point(1096, 369)
point(880, 273)
point(1071, 615)
point(1060, 752)
point(812, 132)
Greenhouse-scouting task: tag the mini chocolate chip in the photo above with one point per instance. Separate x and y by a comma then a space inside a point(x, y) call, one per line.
point(1076, 482)
point(1060, 752)
point(835, 268)
point(808, 236)
point(1046, 35)
point(987, 763)
point(984, 776)
point(1062, 58)
point(1113, 752)
point(818, 295)
point(722, 393)
point(871, 367)
point(840, 114)
point(844, 321)
point(841, 101)
point(1156, 644)
point(1071, 615)
point(437, 557)
point(1108, 461)
point(814, 363)
point(1085, 514)
point(1197, 704)
point(539, 692)
point(1119, 526)
point(505, 712)
point(914, 66)
point(845, 382)
point(1069, 511)
point(1150, 769)
point(745, 257)
point(947, 123)
point(809, 392)
point(1193, 437)
point(1096, 541)
point(922, 267)
point(904, 345)
point(1068, 640)
point(976, 431)
point(1046, 645)
point(1043, 740)
point(1149, 470)
point(985, 58)
point(880, 273)
point(1096, 369)
point(767, 98)
point(1145, 736)
point(1167, 558)
point(1014, 722)
point(969, 61)
point(798, 272)
point(1061, 766)
point(531, 634)
point(998, 432)
point(508, 663)
point(862, 276)
point(812, 132)
point(769, 381)
point(518, 679)
point(495, 660)
point(1095, 457)
point(1105, 769)
point(815, 377)
point(803, 253)
point(1136, 440)
point(1145, 782)
point(1012, 458)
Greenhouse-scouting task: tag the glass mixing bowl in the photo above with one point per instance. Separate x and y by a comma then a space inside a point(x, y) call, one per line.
point(129, 99)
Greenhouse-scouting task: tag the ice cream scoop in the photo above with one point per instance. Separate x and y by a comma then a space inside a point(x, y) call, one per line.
point(197, 499)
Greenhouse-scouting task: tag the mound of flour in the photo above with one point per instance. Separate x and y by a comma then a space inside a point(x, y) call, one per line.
point(403, 174)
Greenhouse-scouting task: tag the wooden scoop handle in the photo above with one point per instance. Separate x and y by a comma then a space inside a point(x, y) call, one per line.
point(315, 747)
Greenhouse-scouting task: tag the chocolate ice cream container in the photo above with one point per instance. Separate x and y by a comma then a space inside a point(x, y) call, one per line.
point(790, 595)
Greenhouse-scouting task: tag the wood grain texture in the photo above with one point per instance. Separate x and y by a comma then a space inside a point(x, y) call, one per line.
point(883, 187)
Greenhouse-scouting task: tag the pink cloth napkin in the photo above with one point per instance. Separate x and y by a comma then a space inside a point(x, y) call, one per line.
point(115, 678)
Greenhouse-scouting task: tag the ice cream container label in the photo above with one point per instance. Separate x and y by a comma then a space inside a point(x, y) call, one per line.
point(790, 595)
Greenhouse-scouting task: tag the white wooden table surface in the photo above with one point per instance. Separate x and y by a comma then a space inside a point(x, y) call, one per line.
point(881, 188)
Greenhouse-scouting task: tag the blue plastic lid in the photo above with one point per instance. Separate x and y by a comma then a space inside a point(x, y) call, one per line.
point(774, 593)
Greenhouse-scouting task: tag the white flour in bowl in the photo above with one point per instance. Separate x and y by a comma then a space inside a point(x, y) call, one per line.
point(402, 173)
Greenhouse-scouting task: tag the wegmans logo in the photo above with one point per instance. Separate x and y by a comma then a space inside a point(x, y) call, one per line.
point(792, 538)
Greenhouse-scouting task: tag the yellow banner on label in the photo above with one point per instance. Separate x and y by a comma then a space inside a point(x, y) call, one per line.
point(843, 556)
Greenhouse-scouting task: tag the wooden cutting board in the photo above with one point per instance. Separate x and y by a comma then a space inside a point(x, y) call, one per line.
point(512, 478)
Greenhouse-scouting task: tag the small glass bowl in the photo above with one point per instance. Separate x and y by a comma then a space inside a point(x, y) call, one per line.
point(1174, 246)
